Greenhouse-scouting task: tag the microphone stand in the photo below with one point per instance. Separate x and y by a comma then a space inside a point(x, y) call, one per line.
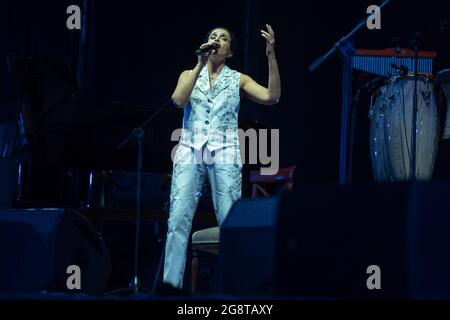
point(352, 132)
point(415, 43)
point(137, 134)
point(346, 51)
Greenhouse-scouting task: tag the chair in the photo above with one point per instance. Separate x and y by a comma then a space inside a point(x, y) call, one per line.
point(264, 185)
point(208, 240)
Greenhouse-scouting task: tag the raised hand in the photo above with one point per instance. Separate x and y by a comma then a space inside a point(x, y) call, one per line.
point(269, 35)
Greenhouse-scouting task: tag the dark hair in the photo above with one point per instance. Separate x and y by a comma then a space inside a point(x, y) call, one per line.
point(233, 40)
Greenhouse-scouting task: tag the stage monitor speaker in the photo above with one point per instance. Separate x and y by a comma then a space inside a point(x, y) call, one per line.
point(365, 242)
point(329, 242)
point(247, 249)
point(37, 247)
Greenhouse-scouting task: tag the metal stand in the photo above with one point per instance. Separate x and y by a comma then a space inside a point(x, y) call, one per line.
point(160, 265)
point(414, 42)
point(135, 287)
point(346, 51)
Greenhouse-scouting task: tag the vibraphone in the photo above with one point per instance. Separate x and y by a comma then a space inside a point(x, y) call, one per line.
point(380, 61)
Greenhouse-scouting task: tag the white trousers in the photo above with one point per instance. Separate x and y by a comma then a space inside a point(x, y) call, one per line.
point(191, 167)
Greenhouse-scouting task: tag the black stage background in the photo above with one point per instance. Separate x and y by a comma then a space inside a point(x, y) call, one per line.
point(136, 50)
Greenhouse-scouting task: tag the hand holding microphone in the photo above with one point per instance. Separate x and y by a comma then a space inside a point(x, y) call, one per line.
point(205, 48)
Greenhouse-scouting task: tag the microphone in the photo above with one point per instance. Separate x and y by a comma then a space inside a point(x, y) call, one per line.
point(212, 46)
point(402, 69)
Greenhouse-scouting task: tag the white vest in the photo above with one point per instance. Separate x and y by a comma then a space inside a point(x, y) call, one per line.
point(211, 116)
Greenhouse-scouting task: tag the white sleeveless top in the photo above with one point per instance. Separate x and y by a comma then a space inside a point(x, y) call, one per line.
point(211, 116)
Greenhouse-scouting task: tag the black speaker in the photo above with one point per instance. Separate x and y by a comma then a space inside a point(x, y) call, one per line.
point(247, 247)
point(37, 246)
point(329, 239)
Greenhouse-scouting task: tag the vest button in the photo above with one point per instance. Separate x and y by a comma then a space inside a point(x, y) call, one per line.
point(208, 111)
point(206, 122)
point(209, 100)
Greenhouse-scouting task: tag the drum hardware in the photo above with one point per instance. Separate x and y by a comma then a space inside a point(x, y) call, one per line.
point(345, 49)
point(402, 70)
point(443, 80)
point(371, 107)
point(413, 70)
point(426, 97)
point(415, 44)
point(390, 134)
point(414, 40)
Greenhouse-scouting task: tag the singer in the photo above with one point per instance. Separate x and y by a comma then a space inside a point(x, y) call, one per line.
point(210, 96)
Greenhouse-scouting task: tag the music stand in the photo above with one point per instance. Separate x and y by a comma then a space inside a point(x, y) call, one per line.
point(346, 51)
point(138, 133)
